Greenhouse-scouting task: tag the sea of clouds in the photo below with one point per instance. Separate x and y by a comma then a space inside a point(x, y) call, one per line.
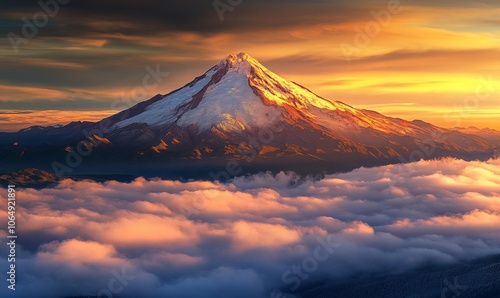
point(160, 238)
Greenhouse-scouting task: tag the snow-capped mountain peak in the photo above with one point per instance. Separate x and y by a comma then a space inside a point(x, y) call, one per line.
point(239, 95)
point(231, 112)
point(222, 94)
point(241, 90)
point(241, 62)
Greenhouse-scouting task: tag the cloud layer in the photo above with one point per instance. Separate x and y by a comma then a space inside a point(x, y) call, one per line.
point(161, 238)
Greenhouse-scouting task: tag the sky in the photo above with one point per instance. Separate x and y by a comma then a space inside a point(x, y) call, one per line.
point(429, 60)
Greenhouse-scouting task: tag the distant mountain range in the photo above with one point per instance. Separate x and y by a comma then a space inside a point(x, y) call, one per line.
point(28, 178)
point(238, 117)
point(491, 135)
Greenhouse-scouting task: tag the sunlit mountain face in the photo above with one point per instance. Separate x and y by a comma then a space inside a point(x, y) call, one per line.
point(242, 112)
point(227, 148)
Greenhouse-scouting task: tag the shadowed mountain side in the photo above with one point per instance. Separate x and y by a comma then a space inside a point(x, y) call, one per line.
point(28, 178)
point(477, 279)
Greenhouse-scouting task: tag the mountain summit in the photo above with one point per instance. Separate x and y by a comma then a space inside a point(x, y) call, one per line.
point(222, 97)
point(237, 93)
point(240, 110)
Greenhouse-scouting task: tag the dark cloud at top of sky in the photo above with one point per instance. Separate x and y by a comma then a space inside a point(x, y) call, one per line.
point(153, 16)
point(200, 16)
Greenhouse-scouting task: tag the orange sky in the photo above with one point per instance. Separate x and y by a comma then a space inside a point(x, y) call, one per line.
point(433, 62)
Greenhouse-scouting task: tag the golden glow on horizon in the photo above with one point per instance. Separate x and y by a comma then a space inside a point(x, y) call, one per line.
point(14, 120)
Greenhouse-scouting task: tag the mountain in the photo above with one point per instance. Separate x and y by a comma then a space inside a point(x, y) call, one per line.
point(28, 178)
point(238, 111)
point(491, 135)
point(472, 279)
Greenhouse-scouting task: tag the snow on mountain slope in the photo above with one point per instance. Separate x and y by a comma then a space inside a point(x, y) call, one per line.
point(239, 93)
point(221, 98)
point(231, 99)
point(240, 90)
point(164, 111)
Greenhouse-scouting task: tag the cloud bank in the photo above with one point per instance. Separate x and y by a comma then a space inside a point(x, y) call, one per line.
point(258, 236)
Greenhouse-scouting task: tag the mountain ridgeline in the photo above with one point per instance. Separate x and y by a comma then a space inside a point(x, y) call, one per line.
point(237, 118)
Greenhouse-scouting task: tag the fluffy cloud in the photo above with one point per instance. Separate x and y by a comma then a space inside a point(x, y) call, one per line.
point(253, 235)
